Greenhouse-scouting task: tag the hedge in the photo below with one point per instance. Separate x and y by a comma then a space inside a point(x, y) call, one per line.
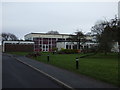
point(68, 51)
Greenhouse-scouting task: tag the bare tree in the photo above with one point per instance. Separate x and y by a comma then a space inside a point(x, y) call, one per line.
point(78, 37)
point(52, 32)
point(8, 36)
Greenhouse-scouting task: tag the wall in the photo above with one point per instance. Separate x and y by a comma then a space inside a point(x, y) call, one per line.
point(61, 45)
point(19, 48)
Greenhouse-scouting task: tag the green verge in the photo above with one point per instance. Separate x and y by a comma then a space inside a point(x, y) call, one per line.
point(101, 67)
point(19, 53)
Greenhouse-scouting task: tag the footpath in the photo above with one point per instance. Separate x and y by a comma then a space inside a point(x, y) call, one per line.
point(64, 77)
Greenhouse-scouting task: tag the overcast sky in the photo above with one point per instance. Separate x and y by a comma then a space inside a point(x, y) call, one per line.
point(21, 18)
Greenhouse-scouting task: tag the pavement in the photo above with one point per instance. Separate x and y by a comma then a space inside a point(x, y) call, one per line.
point(17, 75)
point(64, 77)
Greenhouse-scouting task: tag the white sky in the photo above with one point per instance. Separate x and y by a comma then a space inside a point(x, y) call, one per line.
point(21, 18)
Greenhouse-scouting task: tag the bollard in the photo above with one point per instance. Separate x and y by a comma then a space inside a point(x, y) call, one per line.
point(48, 58)
point(77, 63)
point(35, 55)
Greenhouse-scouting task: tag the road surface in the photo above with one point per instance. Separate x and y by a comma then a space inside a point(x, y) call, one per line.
point(18, 75)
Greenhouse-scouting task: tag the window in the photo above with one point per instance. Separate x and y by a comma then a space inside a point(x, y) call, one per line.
point(53, 46)
point(45, 39)
point(43, 46)
point(66, 46)
point(61, 39)
point(36, 42)
point(40, 42)
point(49, 42)
point(69, 46)
point(54, 39)
point(49, 46)
point(40, 46)
point(35, 39)
point(45, 42)
point(36, 46)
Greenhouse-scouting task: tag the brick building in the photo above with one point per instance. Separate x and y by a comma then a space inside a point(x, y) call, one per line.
point(17, 46)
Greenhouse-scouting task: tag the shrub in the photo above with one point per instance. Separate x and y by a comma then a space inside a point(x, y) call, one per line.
point(34, 54)
point(68, 51)
point(89, 50)
point(55, 49)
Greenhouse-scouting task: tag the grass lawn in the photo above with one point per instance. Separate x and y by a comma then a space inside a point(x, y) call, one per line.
point(99, 66)
point(19, 53)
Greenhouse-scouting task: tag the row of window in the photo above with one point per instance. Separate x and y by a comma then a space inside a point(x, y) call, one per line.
point(75, 46)
point(36, 39)
point(42, 49)
point(45, 42)
point(45, 46)
point(50, 39)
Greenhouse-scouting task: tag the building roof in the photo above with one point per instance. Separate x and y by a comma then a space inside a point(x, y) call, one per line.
point(18, 41)
point(47, 34)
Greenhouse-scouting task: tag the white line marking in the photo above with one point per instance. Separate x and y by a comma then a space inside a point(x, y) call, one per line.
point(60, 82)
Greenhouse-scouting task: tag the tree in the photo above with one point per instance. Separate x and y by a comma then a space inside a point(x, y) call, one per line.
point(79, 38)
point(107, 32)
point(52, 32)
point(102, 30)
point(8, 36)
point(115, 25)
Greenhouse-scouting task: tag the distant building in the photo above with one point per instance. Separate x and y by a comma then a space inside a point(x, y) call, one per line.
point(115, 47)
point(47, 42)
point(17, 46)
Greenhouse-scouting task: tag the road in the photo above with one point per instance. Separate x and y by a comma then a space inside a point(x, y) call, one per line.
point(18, 75)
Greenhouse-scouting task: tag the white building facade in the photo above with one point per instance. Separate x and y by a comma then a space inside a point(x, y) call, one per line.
point(47, 42)
point(73, 45)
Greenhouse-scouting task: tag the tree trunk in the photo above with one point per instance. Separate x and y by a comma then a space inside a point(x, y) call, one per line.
point(79, 44)
point(105, 52)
